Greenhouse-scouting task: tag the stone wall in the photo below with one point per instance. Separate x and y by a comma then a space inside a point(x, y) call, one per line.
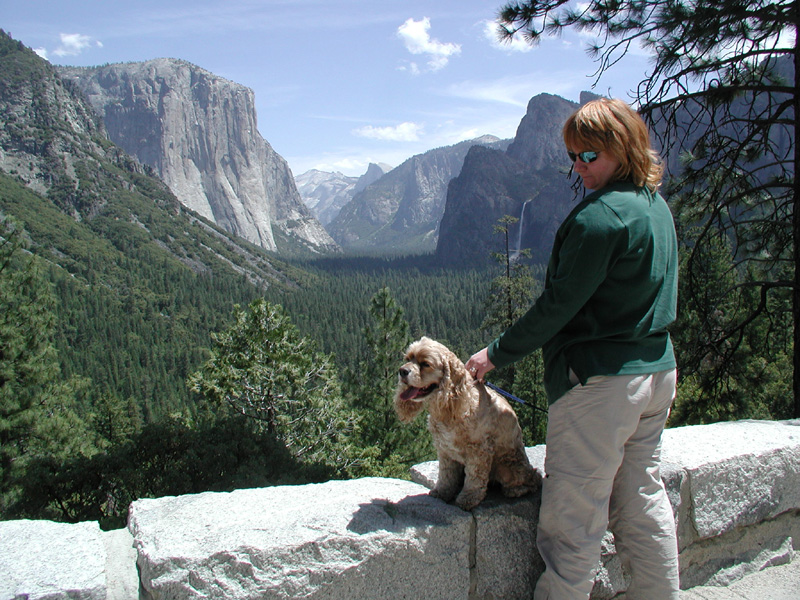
point(735, 490)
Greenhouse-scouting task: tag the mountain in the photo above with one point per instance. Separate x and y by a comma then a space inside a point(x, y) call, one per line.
point(199, 133)
point(140, 281)
point(401, 211)
point(325, 193)
point(528, 181)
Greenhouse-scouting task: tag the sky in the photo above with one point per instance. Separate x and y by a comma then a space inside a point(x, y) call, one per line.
point(338, 84)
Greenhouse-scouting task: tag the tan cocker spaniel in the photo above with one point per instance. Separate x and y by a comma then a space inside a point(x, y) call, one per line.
point(475, 431)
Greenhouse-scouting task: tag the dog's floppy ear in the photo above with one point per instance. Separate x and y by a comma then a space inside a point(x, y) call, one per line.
point(458, 382)
point(407, 410)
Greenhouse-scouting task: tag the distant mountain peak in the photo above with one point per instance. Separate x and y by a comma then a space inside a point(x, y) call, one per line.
point(400, 212)
point(325, 192)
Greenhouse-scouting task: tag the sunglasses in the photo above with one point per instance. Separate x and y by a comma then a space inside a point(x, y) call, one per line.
point(586, 157)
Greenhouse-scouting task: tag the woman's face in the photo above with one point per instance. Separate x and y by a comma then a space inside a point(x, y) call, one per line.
point(598, 173)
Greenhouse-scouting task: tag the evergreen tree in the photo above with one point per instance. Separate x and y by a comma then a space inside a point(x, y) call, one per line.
point(511, 295)
point(389, 447)
point(116, 421)
point(38, 421)
point(723, 92)
point(725, 376)
point(387, 338)
point(263, 369)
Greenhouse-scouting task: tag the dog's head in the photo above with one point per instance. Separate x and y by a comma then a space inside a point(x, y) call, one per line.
point(431, 372)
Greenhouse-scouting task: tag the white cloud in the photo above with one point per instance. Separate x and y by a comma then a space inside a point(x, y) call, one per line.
point(515, 44)
point(345, 165)
point(515, 90)
point(42, 52)
point(417, 40)
point(404, 132)
point(411, 67)
point(73, 44)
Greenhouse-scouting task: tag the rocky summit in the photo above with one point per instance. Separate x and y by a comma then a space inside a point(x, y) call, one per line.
point(400, 212)
point(199, 133)
point(527, 181)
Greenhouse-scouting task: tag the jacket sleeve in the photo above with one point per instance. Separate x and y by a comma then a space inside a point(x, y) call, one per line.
point(588, 245)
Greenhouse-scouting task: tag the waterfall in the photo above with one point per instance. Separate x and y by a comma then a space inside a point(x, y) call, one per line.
point(520, 229)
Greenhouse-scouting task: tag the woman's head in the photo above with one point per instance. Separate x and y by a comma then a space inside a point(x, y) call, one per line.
point(609, 126)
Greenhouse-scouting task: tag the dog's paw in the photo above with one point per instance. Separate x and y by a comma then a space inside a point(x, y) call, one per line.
point(467, 500)
point(442, 494)
point(529, 480)
point(519, 490)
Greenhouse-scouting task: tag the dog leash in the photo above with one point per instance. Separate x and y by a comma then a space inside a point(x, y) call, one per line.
point(512, 396)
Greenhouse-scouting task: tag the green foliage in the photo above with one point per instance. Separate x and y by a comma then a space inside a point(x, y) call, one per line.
point(733, 344)
point(123, 282)
point(511, 295)
point(171, 457)
point(18, 72)
point(263, 369)
point(388, 448)
point(332, 303)
point(27, 356)
point(38, 410)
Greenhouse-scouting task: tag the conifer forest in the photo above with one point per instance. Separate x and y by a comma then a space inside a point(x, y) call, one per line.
point(146, 352)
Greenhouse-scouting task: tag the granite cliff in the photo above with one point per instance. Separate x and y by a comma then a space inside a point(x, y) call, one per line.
point(401, 211)
point(199, 133)
point(53, 143)
point(326, 193)
point(528, 181)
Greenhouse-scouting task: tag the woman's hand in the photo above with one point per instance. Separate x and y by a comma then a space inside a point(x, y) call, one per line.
point(479, 364)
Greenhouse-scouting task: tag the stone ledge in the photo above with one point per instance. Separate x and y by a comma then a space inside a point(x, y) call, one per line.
point(735, 489)
point(46, 560)
point(366, 538)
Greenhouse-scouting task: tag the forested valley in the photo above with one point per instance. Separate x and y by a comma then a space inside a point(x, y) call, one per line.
point(145, 352)
point(98, 357)
point(140, 393)
point(109, 346)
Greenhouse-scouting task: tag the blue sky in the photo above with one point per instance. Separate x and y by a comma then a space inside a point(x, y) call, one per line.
point(338, 83)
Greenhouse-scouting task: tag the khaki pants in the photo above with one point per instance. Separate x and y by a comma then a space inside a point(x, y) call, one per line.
point(602, 465)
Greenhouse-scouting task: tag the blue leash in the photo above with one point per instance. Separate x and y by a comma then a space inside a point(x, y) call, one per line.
point(512, 396)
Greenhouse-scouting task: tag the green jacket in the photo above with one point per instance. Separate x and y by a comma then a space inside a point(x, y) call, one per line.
point(610, 292)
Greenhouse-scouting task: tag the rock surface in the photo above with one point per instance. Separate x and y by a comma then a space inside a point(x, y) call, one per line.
point(401, 210)
point(199, 133)
point(735, 493)
point(366, 538)
point(326, 193)
point(527, 181)
point(43, 560)
point(734, 486)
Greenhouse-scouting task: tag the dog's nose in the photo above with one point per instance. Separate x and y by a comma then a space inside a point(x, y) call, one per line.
point(404, 372)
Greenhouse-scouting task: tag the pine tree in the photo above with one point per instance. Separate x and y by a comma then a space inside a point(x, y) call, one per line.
point(724, 95)
point(263, 369)
point(726, 376)
point(39, 428)
point(511, 295)
point(389, 446)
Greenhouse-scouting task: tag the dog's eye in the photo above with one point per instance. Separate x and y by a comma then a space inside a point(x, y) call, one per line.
point(424, 364)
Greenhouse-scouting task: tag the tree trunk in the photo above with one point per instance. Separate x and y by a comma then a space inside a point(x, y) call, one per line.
point(796, 230)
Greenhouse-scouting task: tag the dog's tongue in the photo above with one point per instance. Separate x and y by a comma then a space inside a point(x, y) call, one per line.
point(410, 393)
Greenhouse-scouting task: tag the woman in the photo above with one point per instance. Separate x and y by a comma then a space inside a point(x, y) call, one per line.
point(610, 293)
